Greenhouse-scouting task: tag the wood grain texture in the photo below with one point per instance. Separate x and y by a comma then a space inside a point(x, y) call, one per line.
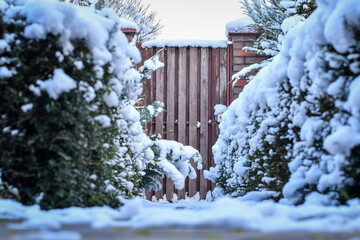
point(200, 76)
point(159, 96)
point(182, 106)
point(204, 116)
point(240, 53)
point(215, 88)
point(170, 108)
point(193, 109)
point(222, 78)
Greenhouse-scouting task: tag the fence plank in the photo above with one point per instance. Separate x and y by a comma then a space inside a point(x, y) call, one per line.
point(215, 78)
point(182, 103)
point(223, 75)
point(170, 108)
point(149, 95)
point(159, 94)
point(193, 110)
point(204, 116)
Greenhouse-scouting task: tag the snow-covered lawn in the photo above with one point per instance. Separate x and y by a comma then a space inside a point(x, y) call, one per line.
point(224, 213)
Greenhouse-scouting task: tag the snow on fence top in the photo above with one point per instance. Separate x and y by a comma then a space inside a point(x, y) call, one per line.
point(241, 25)
point(185, 43)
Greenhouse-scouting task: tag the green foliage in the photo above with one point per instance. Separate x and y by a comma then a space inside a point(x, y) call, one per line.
point(55, 153)
point(84, 3)
point(150, 111)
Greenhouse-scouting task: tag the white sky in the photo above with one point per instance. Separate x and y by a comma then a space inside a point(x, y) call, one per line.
point(195, 19)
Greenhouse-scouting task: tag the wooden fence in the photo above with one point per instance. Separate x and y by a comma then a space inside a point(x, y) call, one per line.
point(192, 82)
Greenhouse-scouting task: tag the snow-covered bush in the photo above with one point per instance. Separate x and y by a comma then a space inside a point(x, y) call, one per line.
point(295, 129)
point(69, 130)
point(276, 18)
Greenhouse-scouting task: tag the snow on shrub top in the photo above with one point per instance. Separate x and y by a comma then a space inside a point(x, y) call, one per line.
point(185, 43)
point(71, 22)
point(241, 25)
point(44, 17)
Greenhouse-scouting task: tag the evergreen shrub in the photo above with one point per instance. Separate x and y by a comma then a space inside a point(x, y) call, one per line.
point(69, 130)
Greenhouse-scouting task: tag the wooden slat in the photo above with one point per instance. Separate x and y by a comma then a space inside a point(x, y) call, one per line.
point(239, 60)
point(230, 62)
point(148, 53)
point(256, 59)
point(239, 67)
point(204, 115)
point(149, 95)
point(182, 104)
point(239, 45)
point(159, 95)
point(240, 53)
point(223, 74)
point(243, 37)
point(215, 78)
point(170, 108)
point(193, 91)
point(222, 86)
point(241, 83)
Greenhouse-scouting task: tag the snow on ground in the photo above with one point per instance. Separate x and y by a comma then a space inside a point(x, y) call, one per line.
point(224, 213)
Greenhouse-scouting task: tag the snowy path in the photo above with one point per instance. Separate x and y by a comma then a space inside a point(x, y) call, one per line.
point(222, 219)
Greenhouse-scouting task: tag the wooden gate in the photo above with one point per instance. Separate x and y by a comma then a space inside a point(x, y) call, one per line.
point(192, 82)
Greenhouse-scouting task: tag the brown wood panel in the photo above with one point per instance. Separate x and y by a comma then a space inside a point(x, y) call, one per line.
point(204, 116)
point(240, 53)
point(238, 45)
point(223, 74)
point(239, 67)
point(170, 108)
point(148, 93)
point(192, 82)
point(215, 78)
point(153, 92)
point(182, 107)
point(159, 96)
point(230, 60)
point(243, 37)
point(239, 60)
point(257, 59)
point(248, 44)
point(193, 110)
point(241, 83)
